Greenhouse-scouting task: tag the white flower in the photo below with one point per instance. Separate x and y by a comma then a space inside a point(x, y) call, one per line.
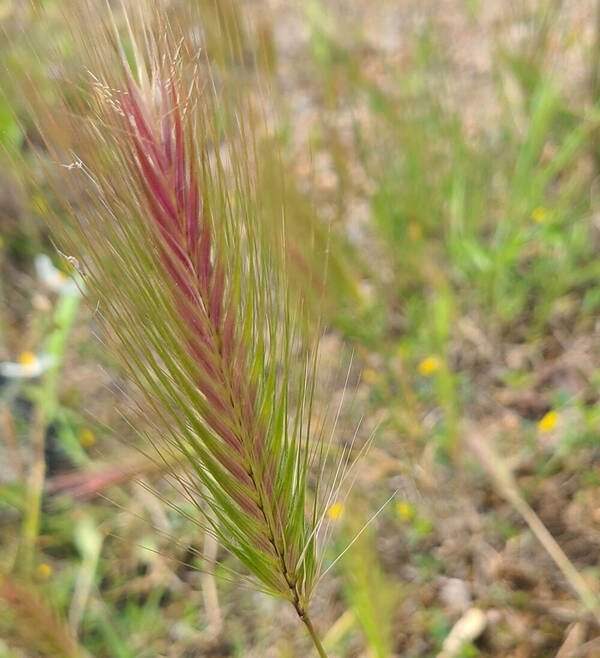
point(53, 278)
point(29, 365)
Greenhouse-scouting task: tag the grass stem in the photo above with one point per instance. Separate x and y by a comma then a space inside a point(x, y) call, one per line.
point(508, 487)
point(313, 634)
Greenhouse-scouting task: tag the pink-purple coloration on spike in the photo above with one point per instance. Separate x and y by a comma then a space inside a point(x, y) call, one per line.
point(168, 171)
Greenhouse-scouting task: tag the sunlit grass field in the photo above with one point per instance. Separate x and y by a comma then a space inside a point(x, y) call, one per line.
point(439, 167)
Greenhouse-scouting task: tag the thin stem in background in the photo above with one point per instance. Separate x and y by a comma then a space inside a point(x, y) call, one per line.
point(595, 81)
point(64, 316)
point(508, 487)
point(33, 500)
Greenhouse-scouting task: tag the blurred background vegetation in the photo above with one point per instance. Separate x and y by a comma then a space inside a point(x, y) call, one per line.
point(441, 173)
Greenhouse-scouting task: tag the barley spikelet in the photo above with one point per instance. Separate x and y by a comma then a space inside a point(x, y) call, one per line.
point(158, 156)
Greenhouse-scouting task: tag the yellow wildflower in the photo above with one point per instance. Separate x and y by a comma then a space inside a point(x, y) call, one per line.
point(43, 571)
point(429, 365)
point(336, 511)
point(86, 437)
point(369, 376)
point(27, 359)
point(415, 232)
point(548, 422)
point(405, 511)
point(539, 214)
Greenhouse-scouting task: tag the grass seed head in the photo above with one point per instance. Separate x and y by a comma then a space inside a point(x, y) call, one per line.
point(161, 216)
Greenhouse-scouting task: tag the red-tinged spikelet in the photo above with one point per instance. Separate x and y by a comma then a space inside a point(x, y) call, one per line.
point(162, 215)
point(167, 172)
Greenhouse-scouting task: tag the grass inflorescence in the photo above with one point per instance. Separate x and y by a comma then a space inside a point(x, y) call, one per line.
point(158, 153)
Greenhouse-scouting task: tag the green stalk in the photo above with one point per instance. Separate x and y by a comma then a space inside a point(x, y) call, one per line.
point(55, 346)
point(313, 634)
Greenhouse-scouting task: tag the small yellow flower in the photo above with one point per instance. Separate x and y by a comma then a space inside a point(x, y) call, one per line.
point(415, 232)
point(29, 361)
point(539, 214)
point(548, 422)
point(43, 571)
point(369, 376)
point(429, 365)
point(86, 437)
point(405, 511)
point(336, 511)
point(1, 242)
